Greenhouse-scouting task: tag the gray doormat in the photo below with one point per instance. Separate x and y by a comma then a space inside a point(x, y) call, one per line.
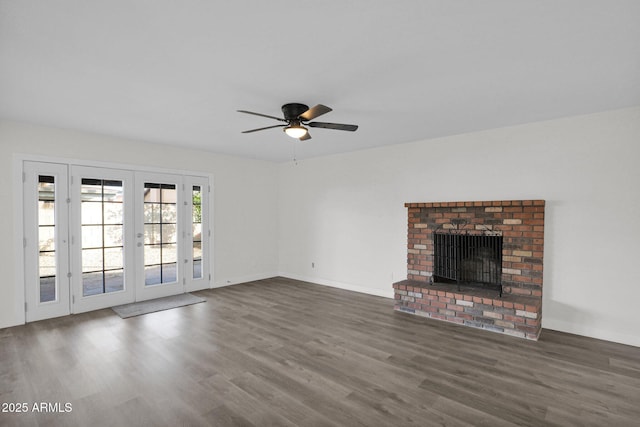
point(159, 304)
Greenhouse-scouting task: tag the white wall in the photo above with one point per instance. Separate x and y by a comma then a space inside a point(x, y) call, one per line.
point(245, 199)
point(345, 212)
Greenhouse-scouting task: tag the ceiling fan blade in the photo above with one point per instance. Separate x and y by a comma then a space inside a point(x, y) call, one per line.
point(261, 115)
point(336, 126)
point(268, 127)
point(305, 137)
point(314, 112)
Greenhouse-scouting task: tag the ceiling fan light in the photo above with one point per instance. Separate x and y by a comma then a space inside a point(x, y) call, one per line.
point(296, 131)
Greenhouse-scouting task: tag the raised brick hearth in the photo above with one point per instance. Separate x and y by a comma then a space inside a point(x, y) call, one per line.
point(521, 224)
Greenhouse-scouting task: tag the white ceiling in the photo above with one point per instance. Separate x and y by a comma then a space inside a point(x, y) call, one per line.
point(175, 72)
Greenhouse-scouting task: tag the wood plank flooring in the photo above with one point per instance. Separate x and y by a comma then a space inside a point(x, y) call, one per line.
point(287, 353)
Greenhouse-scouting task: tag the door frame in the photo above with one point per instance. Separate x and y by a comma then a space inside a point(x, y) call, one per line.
point(19, 299)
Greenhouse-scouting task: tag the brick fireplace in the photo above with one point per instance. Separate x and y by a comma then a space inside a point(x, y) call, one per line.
point(520, 223)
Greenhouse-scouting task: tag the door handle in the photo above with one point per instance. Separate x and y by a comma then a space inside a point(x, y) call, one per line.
point(139, 235)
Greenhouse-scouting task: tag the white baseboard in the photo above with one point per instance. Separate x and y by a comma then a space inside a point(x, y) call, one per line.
point(242, 279)
point(605, 335)
point(341, 285)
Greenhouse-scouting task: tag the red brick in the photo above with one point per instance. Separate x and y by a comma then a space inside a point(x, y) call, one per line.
point(533, 322)
point(531, 308)
point(534, 209)
point(521, 291)
point(515, 319)
point(527, 329)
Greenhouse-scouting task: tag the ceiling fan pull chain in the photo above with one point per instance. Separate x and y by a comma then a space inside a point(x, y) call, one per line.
point(295, 160)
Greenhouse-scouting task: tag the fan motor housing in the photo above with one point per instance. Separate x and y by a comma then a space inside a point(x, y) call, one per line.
point(293, 110)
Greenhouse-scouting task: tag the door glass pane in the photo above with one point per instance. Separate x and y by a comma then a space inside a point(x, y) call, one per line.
point(169, 233)
point(113, 213)
point(91, 212)
point(160, 233)
point(169, 213)
point(46, 238)
point(151, 212)
point(114, 280)
point(102, 216)
point(91, 236)
point(152, 233)
point(113, 235)
point(196, 200)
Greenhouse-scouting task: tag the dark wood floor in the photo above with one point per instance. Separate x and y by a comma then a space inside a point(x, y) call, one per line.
point(283, 352)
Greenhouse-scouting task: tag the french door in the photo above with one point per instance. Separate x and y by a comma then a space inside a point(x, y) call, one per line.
point(101, 224)
point(108, 236)
point(46, 241)
point(158, 244)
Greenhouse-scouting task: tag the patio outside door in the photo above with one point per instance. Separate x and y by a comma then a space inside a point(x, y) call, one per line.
point(159, 230)
point(102, 236)
point(99, 237)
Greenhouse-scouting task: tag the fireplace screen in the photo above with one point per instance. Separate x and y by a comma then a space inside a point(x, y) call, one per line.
point(469, 259)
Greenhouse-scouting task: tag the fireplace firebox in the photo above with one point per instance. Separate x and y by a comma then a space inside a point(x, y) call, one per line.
point(467, 257)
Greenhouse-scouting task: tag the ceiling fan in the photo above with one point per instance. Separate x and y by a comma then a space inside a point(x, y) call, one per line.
point(297, 116)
